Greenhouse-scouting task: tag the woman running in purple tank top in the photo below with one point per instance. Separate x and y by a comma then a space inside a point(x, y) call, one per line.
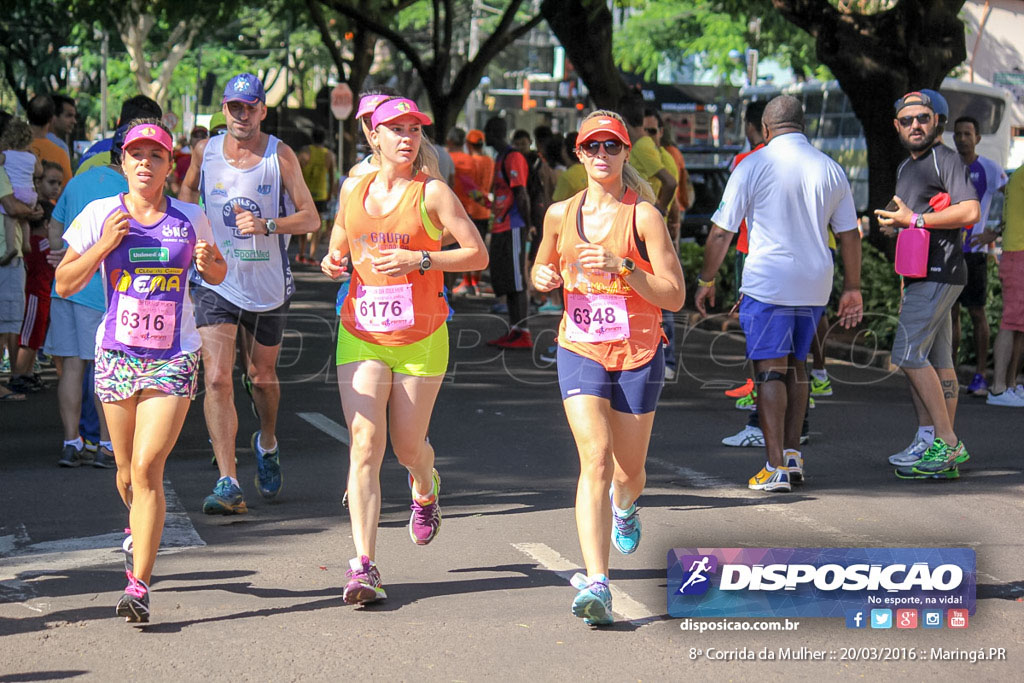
point(147, 345)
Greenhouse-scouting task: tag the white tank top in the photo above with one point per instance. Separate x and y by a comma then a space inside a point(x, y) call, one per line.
point(259, 277)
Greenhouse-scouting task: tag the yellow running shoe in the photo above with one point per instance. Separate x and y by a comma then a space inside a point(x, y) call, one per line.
point(771, 481)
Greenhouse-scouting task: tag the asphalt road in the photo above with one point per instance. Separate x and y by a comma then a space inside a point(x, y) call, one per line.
point(259, 596)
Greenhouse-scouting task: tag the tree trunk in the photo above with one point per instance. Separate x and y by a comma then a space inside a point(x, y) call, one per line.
point(584, 28)
point(363, 45)
point(876, 59)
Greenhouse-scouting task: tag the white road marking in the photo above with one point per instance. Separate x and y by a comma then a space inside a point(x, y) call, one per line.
point(47, 557)
point(548, 558)
point(10, 542)
point(698, 480)
point(327, 426)
point(736, 489)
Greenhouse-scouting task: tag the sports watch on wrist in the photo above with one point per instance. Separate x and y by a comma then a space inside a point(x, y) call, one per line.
point(425, 262)
point(627, 267)
point(271, 226)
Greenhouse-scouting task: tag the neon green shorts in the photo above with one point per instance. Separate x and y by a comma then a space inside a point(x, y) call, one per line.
point(426, 358)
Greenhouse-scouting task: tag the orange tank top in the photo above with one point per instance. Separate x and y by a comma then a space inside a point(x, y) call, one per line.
point(605, 319)
point(391, 311)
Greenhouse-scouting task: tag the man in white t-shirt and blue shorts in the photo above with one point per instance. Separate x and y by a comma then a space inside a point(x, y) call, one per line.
point(790, 194)
point(247, 181)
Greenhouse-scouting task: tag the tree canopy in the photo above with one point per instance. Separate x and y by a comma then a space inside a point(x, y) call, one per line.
point(715, 30)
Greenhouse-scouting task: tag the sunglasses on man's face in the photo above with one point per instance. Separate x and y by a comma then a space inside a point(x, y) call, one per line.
point(907, 121)
point(592, 147)
point(651, 131)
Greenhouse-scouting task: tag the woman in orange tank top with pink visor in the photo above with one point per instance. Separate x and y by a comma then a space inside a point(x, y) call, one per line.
point(393, 339)
point(610, 252)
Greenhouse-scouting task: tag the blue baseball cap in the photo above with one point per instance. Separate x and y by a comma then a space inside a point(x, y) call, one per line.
point(939, 104)
point(926, 98)
point(244, 88)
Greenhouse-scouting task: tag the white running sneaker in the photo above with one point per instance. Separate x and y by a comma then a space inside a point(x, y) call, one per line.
point(1007, 399)
point(670, 374)
point(911, 454)
point(751, 437)
point(1019, 390)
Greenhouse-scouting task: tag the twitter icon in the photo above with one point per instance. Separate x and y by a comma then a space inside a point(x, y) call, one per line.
point(881, 618)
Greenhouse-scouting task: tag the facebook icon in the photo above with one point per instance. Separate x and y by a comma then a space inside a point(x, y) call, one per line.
point(856, 619)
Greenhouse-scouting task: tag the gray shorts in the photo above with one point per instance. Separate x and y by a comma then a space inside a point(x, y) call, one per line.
point(72, 332)
point(12, 296)
point(924, 335)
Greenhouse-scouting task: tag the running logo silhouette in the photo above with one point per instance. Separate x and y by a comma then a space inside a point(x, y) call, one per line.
point(696, 581)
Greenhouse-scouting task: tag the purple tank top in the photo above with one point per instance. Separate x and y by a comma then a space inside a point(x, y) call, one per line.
point(148, 307)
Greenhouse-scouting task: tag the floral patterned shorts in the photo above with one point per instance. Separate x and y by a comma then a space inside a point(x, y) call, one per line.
point(120, 375)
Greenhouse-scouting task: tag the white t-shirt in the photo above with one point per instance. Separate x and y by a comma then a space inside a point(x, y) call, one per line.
point(987, 178)
point(789, 193)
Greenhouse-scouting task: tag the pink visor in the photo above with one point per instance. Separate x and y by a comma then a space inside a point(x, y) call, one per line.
point(147, 131)
point(397, 108)
point(368, 103)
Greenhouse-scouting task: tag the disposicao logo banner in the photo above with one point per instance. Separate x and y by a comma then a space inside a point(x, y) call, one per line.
point(817, 582)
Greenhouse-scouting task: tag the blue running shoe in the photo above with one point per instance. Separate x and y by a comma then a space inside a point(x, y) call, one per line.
point(226, 499)
point(593, 604)
point(268, 469)
point(625, 529)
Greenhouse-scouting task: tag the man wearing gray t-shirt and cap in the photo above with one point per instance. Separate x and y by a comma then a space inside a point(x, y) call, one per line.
point(933, 192)
point(790, 194)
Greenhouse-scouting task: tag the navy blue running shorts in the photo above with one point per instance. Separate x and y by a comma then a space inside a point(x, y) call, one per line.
point(630, 391)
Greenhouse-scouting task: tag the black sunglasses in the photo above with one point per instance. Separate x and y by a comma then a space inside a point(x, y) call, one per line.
point(592, 147)
point(907, 121)
point(651, 131)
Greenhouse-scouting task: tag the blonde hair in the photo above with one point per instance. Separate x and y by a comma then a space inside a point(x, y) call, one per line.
point(630, 177)
point(17, 135)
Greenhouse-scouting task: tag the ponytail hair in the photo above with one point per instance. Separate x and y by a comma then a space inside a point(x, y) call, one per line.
point(630, 177)
point(427, 159)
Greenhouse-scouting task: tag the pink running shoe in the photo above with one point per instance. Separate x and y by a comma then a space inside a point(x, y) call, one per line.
point(134, 604)
point(364, 584)
point(426, 513)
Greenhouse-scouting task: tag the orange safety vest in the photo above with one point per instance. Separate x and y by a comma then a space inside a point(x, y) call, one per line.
point(645, 334)
point(367, 309)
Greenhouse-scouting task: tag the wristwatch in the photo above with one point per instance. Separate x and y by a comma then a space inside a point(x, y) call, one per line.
point(917, 221)
point(271, 226)
point(627, 267)
point(425, 262)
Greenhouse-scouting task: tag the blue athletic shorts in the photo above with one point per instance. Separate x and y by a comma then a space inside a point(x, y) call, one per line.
point(630, 391)
point(778, 331)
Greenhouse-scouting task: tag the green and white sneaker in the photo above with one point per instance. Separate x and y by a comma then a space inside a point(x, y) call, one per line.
point(748, 402)
point(939, 457)
point(909, 473)
point(821, 387)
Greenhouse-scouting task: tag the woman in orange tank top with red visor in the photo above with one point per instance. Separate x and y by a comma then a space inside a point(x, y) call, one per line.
point(610, 252)
point(393, 340)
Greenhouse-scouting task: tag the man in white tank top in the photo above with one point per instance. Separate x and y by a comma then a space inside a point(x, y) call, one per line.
point(247, 181)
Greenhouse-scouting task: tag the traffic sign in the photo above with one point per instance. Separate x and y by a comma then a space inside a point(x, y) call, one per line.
point(170, 119)
point(341, 101)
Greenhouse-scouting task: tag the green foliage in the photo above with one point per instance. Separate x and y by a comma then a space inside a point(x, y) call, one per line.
point(710, 28)
point(881, 290)
point(993, 313)
point(691, 255)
